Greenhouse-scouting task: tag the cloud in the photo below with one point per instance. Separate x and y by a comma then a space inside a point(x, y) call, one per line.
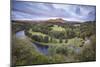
point(31, 10)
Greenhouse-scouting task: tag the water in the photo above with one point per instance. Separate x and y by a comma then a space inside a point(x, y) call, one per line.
point(21, 34)
point(77, 50)
point(41, 48)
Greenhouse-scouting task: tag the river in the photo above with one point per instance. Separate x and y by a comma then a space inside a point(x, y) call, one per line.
point(41, 48)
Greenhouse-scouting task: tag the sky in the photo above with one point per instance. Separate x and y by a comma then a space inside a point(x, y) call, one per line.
point(43, 11)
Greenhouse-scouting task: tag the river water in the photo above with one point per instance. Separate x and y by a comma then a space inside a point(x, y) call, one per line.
point(21, 34)
point(39, 47)
point(42, 48)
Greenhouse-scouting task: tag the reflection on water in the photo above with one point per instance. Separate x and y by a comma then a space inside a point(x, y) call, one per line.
point(77, 50)
point(41, 48)
point(20, 34)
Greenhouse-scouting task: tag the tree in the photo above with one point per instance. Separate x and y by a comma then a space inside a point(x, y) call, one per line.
point(51, 39)
point(46, 39)
point(89, 51)
point(37, 38)
point(60, 40)
point(66, 41)
point(22, 50)
point(62, 50)
point(24, 53)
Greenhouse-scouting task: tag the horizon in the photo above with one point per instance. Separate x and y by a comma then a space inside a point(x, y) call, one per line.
point(43, 11)
point(52, 19)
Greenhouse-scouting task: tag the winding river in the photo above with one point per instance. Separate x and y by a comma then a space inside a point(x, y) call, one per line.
point(42, 49)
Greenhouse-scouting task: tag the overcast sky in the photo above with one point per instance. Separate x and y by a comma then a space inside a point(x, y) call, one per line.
point(44, 11)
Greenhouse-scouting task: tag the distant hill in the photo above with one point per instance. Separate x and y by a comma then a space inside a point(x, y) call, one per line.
point(54, 21)
point(57, 20)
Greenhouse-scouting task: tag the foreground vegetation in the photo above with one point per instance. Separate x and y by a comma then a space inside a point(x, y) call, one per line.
point(67, 42)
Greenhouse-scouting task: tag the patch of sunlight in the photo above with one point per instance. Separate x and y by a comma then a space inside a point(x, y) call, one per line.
point(57, 28)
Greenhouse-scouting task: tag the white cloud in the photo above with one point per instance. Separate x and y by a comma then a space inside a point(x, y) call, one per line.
point(30, 10)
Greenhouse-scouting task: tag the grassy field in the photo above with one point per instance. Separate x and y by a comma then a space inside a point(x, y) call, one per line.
point(36, 33)
point(43, 35)
point(57, 28)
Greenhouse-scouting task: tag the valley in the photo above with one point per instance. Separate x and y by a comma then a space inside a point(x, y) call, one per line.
point(55, 40)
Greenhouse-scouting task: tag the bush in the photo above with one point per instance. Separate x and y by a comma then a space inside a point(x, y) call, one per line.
point(89, 51)
point(24, 53)
point(46, 39)
point(62, 50)
point(37, 38)
point(75, 42)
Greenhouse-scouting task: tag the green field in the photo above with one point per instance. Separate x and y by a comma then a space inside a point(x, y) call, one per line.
point(57, 28)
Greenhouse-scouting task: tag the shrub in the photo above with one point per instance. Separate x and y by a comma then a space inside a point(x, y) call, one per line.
point(75, 41)
point(89, 51)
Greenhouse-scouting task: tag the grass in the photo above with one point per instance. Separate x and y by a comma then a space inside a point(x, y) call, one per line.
point(57, 28)
point(74, 41)
point(54, 44)
point(43, 35)
point(36, 33)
